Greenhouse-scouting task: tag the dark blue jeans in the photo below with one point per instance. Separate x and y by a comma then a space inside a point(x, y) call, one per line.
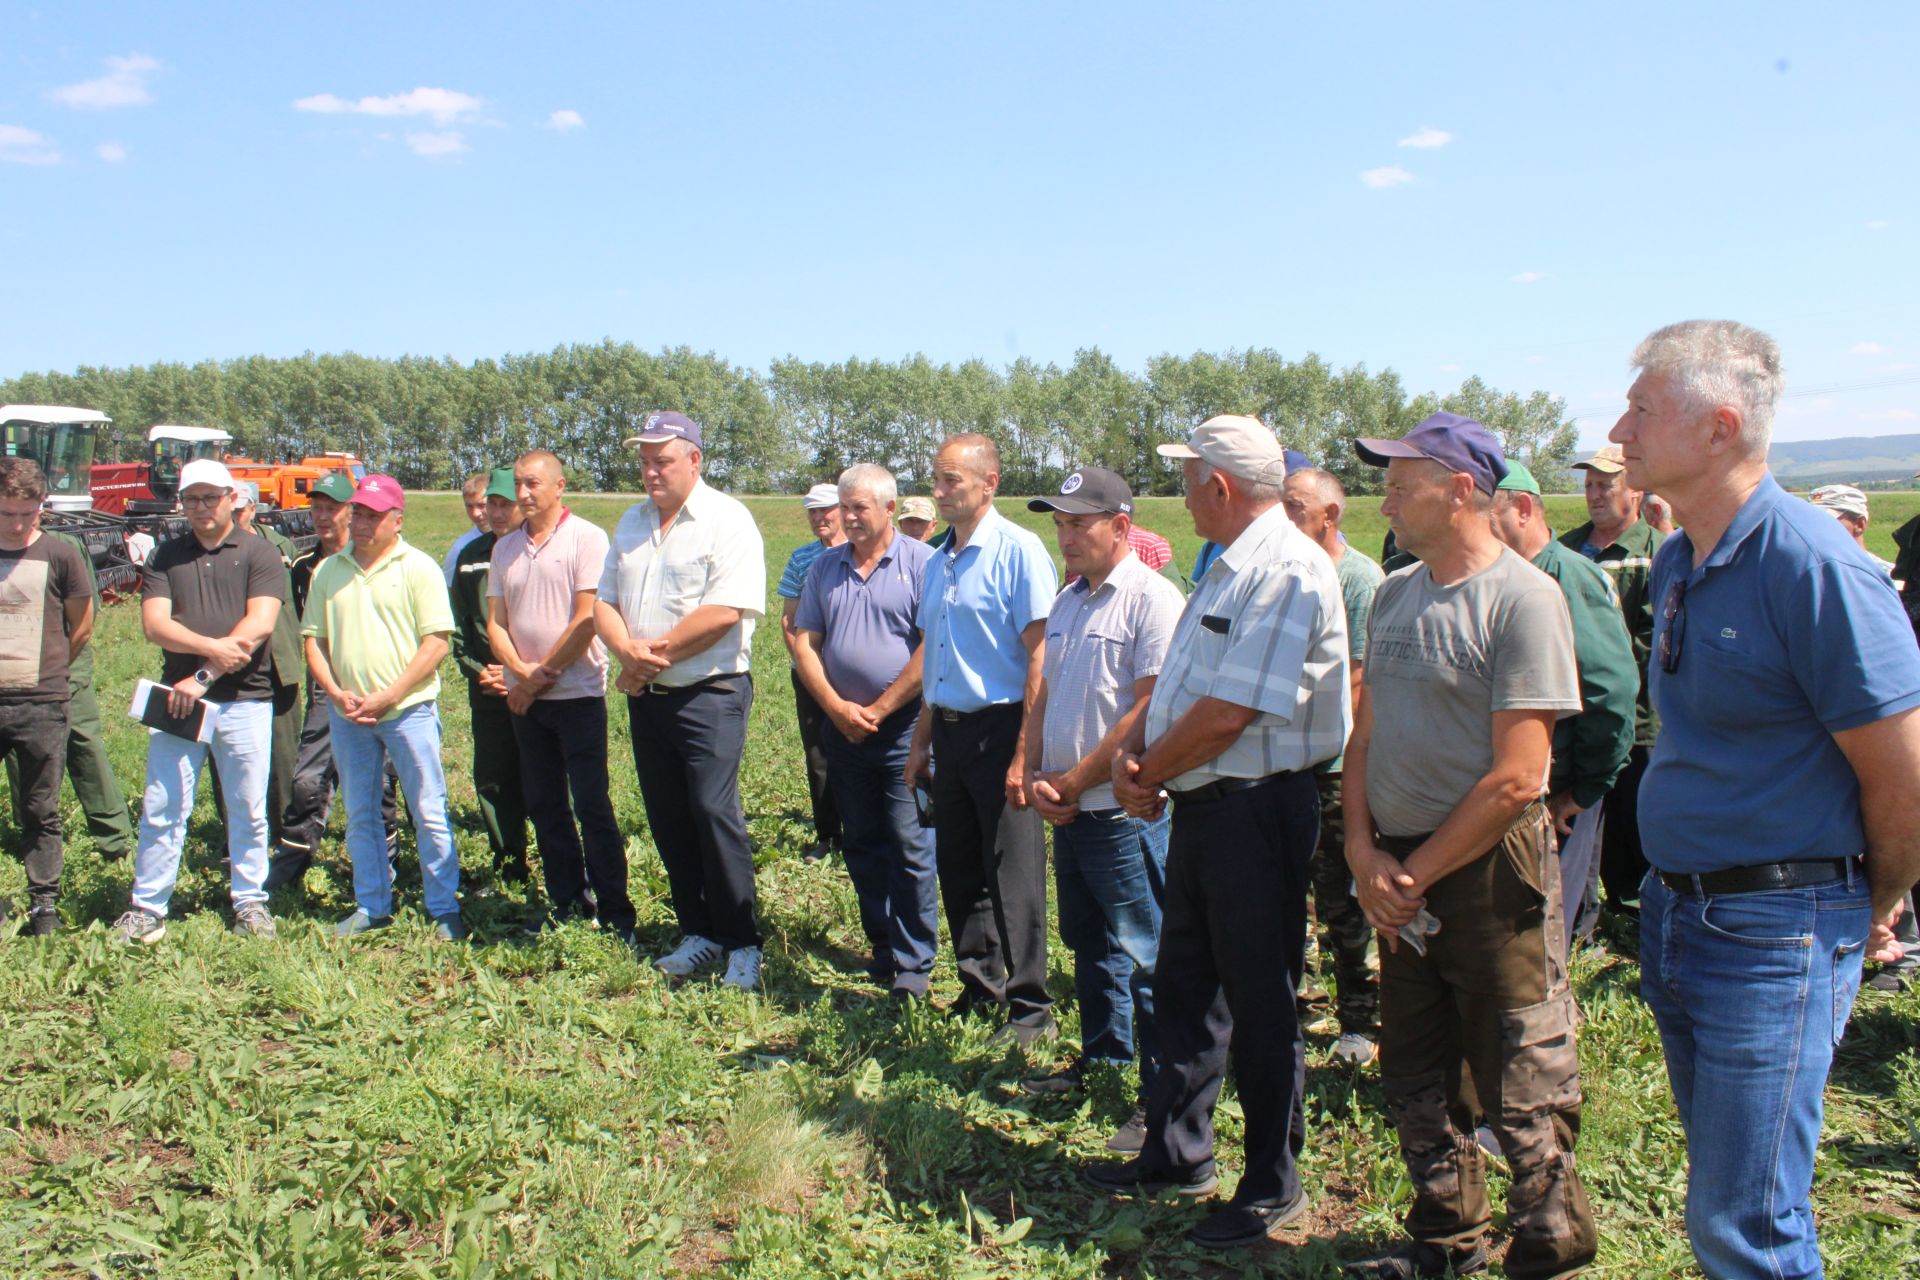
point(1110, 875)
point(889, 854)
point(1751, 993)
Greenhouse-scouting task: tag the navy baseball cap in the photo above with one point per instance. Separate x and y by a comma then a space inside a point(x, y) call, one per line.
point(1296, 461)
point(1456, 443)
point(666, 425)
point(1087, 492)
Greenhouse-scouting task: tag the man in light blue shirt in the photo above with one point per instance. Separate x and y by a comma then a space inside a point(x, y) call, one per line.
point(983, 618)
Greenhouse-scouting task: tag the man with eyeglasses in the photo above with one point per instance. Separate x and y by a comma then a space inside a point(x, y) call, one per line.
point(1778, 810)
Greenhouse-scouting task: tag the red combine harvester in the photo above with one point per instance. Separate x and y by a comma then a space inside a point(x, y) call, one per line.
point(61, 440)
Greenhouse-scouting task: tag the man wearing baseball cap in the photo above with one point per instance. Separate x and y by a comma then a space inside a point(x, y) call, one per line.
point(822, 505)
point(1470, 663)
point(377, 623)
point(1106, 640)
point(917, 518)
point(496, 755)
point(1253, 694)
point(286, 668)
point(209, 599)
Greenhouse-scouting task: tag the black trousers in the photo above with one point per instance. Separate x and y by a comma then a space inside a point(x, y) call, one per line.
point(687, 745)
point(826, 815)
point(992, 861)
point(563, 751)
point(33, 736)
point(496, 777)
point(1232, 946)
point(1622, 863)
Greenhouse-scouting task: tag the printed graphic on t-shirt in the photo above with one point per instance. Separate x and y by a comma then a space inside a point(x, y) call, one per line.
point(23, 620)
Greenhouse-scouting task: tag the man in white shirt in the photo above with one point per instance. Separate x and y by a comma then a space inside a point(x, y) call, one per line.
point(685, 581)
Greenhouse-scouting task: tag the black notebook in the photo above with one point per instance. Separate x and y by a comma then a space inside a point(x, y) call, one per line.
point(150, 708)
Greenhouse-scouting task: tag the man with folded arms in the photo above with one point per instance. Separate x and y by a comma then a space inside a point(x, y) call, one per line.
point(377, 624)
point(1106, 642)
point(684, 582)
point(1779, 810)
point(209, 599)
point(857, 650)
point(496, 756)
point(1253, 695)
point(1470, 662)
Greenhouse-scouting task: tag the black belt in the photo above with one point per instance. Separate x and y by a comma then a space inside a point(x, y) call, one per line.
point(1221, 787)
point(951, 716)
point(694, 686)
point(1758, 879)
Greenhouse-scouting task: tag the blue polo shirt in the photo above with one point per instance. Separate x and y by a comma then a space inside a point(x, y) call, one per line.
point(1788, 633)
point(795, 575)
point(976, 604)
point(868, 626)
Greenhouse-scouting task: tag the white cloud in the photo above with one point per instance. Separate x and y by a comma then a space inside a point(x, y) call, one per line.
point(1391, 175)
point(564, 120)
point(124, 85)
point(1888, 415)
point(1878, 224)
point(1528, 277)
point(1867, 349)
point(24, 146)
point(1427, 136)
point(1452, 368)
point(1899, 366)
point(111, 152)
point(445, 143)
point(442, 106)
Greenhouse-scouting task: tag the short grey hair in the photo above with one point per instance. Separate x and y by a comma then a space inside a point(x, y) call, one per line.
point(870, 478)
point(1325, 483)
point(1719, 362)
point(1257, 490)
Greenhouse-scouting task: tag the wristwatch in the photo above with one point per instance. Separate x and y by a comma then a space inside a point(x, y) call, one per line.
point(204, 675)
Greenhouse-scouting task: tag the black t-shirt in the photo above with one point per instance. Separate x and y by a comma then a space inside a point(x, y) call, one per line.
point(209, 591)
point(35, 584)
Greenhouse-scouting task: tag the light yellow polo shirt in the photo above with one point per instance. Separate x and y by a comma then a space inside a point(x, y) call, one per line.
point(373, 620)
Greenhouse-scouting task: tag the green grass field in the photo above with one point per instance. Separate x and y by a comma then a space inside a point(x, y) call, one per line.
point(220, 1107)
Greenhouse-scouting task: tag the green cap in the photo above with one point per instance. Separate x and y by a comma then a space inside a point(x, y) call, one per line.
point(334, 485)
point(500, 484)
point(1519, 479)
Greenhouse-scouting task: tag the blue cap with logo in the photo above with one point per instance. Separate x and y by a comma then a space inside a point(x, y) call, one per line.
point(1456, 443)
point(665, 425)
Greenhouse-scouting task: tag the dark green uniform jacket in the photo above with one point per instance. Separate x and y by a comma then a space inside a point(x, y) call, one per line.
point(1628, 563)
point(471, 647)
point(1590, 749)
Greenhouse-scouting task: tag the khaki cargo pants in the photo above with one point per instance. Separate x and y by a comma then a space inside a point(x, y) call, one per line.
point(1481, 1030)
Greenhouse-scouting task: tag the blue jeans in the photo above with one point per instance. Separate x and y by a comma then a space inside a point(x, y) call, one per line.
point(1110, 872)
point(240, 746)
point(1751, 992)
point(411, 740)
point(889, 854)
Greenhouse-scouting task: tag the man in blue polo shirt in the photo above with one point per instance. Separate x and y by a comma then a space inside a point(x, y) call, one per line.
point(1778, 810)
point(983, 617)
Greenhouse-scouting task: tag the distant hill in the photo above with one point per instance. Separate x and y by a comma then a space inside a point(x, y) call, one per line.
point(1852, 458)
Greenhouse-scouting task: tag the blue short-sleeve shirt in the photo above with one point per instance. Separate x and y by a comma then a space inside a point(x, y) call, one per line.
point(975, 606)
point(867, 625)
point(1787, 634)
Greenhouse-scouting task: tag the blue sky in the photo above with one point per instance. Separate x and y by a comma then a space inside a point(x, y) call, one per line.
point(1514, 191)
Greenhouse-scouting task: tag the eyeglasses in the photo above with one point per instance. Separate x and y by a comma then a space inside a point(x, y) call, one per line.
point(214, 500)
point(1675, 635)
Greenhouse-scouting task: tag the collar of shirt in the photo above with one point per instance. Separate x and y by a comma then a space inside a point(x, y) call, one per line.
point(1235, 557)
point(535, 548)
point(1758, 506)
point(985, 535)
point(1130, 564)
point(392, 557)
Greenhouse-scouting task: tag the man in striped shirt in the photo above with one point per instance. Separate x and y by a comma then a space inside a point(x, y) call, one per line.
point(822, 503)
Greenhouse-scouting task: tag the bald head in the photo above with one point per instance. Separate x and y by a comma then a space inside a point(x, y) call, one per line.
point(547, 462)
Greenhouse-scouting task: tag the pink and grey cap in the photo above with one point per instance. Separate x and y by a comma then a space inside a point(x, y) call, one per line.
point(665, 425)
point(1456, 443)
point(380, 493)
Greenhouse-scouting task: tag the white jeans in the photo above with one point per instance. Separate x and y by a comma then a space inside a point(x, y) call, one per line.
point(241, 746)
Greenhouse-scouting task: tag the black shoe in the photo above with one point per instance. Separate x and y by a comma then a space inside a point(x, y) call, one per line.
point(1024, 1034)
point(1894, 977)
point(1133, 1178)
point(1239, 1225)
point(1130, 1137)
point(1417, 1260)
point(43, 922)
point(1054, 1084)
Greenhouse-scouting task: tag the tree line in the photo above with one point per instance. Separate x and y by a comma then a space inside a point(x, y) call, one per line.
point(432, 421)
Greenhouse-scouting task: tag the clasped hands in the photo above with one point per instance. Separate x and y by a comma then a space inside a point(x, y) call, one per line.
point(1385, 891)
point(640, 662)
point(223, 656)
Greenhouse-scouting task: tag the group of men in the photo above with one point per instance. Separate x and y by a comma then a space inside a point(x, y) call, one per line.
point(1457, 757)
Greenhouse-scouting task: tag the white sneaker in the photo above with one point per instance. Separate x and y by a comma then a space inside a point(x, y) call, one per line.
point(693, 954)
point(1355, 1048)
point(743, 968)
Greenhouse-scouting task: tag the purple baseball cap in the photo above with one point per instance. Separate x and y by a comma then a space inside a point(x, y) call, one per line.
point(1456, 443)
point(665, 425)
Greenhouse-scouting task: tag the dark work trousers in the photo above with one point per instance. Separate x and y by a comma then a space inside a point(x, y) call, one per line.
point(992, 861)
point(1233, 943)
point(496, 778)
point(687, 745)
point(94, 785)
point(314, 777)
point(34, 734)
point(889, 854)
point(563, 752)
point(1481, 1028)
point(1622, 864)
point(1344, 931)
point(826, 817)
point(283, 758)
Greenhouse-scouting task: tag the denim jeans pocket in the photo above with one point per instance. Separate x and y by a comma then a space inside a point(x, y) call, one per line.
point(1847, 958)
point(1766, 921)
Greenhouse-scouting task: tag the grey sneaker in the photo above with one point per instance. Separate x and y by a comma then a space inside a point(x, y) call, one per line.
point(140, 926)
point(43, 922)
point(252, 921)
point(360, 922)
point(1355, 1048)
point(743, 968)
point(692, 955)
point(449, 928)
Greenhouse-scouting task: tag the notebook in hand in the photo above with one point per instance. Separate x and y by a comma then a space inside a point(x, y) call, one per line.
point(150, 708)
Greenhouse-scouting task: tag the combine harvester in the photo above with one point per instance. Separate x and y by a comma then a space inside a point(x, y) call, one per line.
point(61, 440)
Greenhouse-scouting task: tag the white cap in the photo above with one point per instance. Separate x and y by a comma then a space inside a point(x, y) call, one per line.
point(1236, 444)
point(245, 493)
point(206, 471)
point(820, 497)
point(1840, 499)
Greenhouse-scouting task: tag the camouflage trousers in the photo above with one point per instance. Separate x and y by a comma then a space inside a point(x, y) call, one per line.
point(1344, 931)
point(1481, 1030)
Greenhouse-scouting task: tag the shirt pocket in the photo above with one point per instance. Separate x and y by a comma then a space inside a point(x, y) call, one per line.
point(682, 584)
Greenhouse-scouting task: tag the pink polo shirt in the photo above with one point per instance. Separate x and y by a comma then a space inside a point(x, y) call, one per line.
point(538, 584)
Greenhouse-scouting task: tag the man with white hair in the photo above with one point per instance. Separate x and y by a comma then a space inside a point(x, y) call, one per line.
point(1778, 810)
point(822, 505)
